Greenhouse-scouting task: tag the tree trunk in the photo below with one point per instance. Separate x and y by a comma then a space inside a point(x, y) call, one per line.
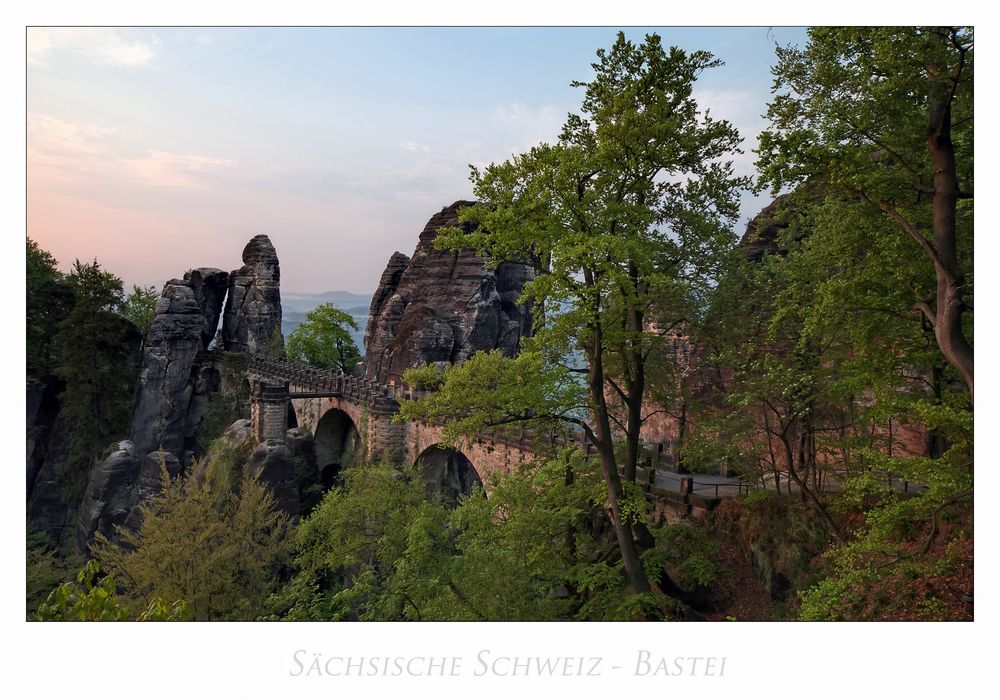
point(805, 492)
point(604, 442)
point(949, 305)
point(635, 389)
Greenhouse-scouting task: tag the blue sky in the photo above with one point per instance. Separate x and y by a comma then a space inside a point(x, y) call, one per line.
point(161, 150)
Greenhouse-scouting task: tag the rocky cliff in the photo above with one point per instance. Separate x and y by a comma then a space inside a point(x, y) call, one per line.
point(187, 314)
point(175, 383)
point(252, 318)
point(442, 306)
point(177, 378)
point(761, 236)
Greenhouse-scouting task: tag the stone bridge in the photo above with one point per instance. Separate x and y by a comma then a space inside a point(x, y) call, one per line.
point(350, 417)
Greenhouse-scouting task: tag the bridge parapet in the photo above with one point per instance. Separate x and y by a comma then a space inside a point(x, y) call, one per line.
point(310, 378)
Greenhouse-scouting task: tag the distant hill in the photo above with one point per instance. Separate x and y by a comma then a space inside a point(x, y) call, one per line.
point(295, 306)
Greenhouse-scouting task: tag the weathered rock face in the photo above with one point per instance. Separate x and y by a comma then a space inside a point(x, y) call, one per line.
point(149, 482)
point(47, 508)
point(109, 496)
point(42, 408)
point(253, 307)
point(274, 462)
point(171, 376)
point(442, 306)
point(761, 236)
point(175, 381)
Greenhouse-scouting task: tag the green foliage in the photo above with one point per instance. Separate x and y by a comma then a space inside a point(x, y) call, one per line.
point(49, 299)
point(139, 307)
point(47, 566)
point(490, 389)
point(923, 538)
point(524, 553)
point(882, 119)
point(92, 599)
point(628, 214)
point(377, 548)
point(212, 540)
point(759, 496)
point(93, 361)
point(854, 101)
point(689, 552)
point(324, 339)
point(310, 487)
point(343, 547)
point(843, 337)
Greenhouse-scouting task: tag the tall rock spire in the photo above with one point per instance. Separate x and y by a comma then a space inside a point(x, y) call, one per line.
point(252, 318)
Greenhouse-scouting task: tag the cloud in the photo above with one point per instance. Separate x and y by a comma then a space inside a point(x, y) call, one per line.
point(61, 151)
point(101, 46)
point(166, 169)
point(414, 146)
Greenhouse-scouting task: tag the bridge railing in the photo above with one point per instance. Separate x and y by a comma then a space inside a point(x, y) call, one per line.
point(300, 375)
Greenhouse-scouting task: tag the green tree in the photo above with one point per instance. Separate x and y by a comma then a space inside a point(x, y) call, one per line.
point(627, 214)
point(884, 115)
point(873, 126)
point(323, 340)
point(139, 307)
point(352, 542)
point(92, 347)
point(92, 599)
point(377, 548)
point(215, 540)
point(47, 566)
point(49, 299)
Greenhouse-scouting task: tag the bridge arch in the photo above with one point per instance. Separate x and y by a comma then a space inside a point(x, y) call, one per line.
point(336, 440)
point(448, 471)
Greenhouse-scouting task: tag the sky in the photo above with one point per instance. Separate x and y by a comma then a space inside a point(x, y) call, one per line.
point(160, 150)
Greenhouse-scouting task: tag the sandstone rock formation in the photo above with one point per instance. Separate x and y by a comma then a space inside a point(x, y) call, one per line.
point(442, 306)
point(175, 381)
point(274, 465)
point(108, 499)
point(761, 236)
point(253, 308)
point(149, 481)
point(187, 314)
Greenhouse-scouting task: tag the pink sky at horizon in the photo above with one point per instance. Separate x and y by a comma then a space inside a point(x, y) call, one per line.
point(160, 150)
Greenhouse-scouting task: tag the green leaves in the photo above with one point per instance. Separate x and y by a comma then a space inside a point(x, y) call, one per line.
point(92, 351)
point(48, 299)
point(323, 340)
point(215, 540)
point(139, 307)
point(92, 599)
point(378, 549)
point(489, 390)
